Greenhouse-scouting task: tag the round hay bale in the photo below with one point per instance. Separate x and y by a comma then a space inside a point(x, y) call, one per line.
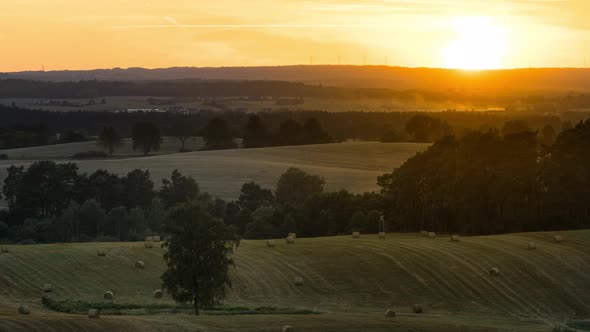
point(93, 313)
point(47, 288)
point(431, 235)
point(494, 271)
point(3, 249)
point(270, 243)
point(23, 309)
point(424, 233)
point(381, 235)
point(293, 235)
point(148, 244)
point(390, 313)
point(158, 294)
point(298, 281)
point(531, 246)
point(417, 309)
point(101, 253)
point(290, 240)
point(356, 235)
point(157, 238)
point(149, 238)
point(140, 265)
point(287, 328)
point(109, 295)
point(455, 238)
point(558, 238)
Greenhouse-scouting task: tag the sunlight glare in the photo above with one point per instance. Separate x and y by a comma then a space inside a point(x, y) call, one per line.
point(480, 44)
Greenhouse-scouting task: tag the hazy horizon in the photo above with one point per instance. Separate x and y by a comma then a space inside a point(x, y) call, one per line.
point(496, 34)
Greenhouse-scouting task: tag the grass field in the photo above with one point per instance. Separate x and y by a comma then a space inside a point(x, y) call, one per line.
point(350, 281)
point(352, 165)
point(67, 150)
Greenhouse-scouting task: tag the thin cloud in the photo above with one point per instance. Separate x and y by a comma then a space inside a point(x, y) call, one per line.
point(238, 26)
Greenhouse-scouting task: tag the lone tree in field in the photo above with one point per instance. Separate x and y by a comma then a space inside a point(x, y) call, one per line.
point(198, 255)
point(217, 135)
point(146, 137)
point(109, 139)
point(183, 130)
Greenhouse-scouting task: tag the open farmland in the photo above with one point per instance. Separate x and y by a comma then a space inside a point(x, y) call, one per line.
point(352, 165)
point(350, 281)
point(235, 103)
point(67, 150)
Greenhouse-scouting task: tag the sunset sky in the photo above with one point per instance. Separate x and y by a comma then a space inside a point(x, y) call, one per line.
point(471, 34)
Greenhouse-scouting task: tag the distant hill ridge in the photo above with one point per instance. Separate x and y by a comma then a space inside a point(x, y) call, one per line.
point(403, 78)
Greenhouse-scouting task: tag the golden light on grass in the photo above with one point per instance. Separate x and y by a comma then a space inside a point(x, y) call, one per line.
point(480, 43)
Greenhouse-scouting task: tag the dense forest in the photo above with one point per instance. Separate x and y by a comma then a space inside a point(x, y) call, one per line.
point(485, 182)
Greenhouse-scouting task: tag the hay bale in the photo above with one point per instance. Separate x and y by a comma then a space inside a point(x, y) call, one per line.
point(431, 235)
point(109, 295)
point(156, 238)
point(101, 253)
point(417, 309)
point(531, 246)
point(270, 243)
point(148, 244)
point(381, 235)
point(390, 313)
point(557, 238)
point(23, 309)
point(455, 238)
point(298, 281)
point(158, 294)
point(93, 313)
point(356, 235)
point(293, 235)
point(149, 238)
point(140, 265)
point(47, 288)
point(290, 240)
point(287, 328)
point(494, 271)
point(3, 249)
point(424, 233)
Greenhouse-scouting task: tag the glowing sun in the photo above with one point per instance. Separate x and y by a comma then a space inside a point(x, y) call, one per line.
point(480, 44)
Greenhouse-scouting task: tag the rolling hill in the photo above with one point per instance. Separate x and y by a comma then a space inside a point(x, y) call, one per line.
point(352, 165)
point(398, 78)
point(350, 281)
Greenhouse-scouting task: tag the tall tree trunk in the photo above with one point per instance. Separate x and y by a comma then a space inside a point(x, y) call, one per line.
point(197, 313)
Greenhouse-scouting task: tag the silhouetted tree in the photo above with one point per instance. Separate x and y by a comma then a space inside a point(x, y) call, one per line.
point(138, 189)
point(109, 139)
point(217, 135)
point(146, 137)
point(253, 196)
point(183, 130)
point(255, 133)
point(179, 189)
point(295, 186)
point(426, 129)
point(290, 133)
point(313, 132)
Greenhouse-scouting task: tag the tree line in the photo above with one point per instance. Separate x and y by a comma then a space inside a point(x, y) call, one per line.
point(485, 182)
point(278, 128)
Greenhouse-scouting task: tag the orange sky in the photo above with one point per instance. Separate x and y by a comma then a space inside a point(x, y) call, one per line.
point(84, 34)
